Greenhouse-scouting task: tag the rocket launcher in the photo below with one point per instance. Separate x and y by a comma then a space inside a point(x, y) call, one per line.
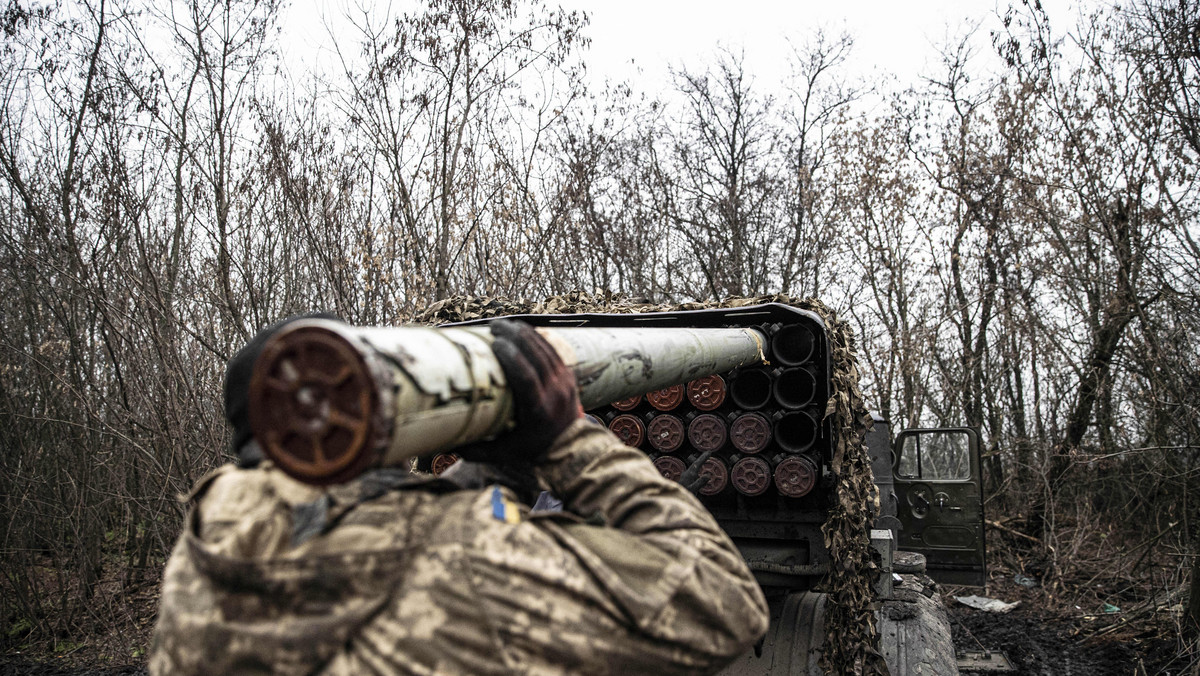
point(329, 401)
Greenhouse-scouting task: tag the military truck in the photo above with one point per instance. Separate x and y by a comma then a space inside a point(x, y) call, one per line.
point(755, 407)
point(766, 445)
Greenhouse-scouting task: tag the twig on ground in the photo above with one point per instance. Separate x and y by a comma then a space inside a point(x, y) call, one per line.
point(1012, 531)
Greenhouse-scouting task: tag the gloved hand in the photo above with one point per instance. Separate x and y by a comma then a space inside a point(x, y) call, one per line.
point(692, 479)
point(237, 386)
point(544, 392)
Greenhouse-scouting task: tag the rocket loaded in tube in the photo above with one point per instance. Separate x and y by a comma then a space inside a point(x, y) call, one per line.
point(329, 401)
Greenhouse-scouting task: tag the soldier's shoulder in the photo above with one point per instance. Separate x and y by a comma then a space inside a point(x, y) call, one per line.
point(236, 490)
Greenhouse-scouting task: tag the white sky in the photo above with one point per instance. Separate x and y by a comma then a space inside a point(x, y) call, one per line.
point(655, 34)
point(642, 39)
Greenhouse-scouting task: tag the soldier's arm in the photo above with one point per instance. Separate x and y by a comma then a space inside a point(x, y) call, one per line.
point(657, 550)
point(646, 580)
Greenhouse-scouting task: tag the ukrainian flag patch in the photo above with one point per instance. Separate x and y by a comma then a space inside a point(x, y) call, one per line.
point(504, 509)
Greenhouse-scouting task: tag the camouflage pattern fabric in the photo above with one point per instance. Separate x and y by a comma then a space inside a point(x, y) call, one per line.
point(851, 642)
point(425, 578)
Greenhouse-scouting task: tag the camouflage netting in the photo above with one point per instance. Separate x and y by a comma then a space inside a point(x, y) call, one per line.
point(851, 638)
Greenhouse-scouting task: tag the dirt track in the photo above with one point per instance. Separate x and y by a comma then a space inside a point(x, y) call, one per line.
point(1039, 645)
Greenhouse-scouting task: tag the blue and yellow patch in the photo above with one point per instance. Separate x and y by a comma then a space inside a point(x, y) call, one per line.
point(504, 509)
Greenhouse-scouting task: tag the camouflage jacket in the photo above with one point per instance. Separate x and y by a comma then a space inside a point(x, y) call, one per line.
point(634, 577)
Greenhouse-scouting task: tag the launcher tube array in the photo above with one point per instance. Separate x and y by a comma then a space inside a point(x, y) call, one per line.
point(760, 425)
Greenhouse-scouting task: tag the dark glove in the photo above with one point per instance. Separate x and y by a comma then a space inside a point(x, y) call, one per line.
point(237, 386)
point(544, 393)
point(692, 479)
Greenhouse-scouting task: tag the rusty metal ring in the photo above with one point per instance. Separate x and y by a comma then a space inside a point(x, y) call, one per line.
point(670, 467)
point(707, 432)
point(628, 429)
point(796, 476)
point(312, 405)
point(707, 393)
point(751, 476)
point(627, 404)
point(442, 462)
point(666, 433)
point(718, 476)
point(750, 433)
point(667, 398)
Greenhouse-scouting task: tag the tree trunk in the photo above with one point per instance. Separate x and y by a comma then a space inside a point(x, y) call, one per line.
point(1192, 620)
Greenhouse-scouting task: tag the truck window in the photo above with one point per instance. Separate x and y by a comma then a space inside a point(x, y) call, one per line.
point(935, 456)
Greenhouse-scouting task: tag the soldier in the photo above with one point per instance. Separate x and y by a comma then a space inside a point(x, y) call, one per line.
point(394, 573)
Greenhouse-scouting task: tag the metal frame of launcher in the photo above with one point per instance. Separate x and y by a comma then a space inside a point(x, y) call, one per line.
point(763, 427)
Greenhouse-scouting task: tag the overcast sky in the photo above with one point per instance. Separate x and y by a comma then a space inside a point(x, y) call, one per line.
point(641, 39)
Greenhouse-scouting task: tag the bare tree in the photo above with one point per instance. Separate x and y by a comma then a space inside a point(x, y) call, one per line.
point(439, 91)
point(615, 189)
point(817, 109)
point(1105, 194)
point(724, 190)
point(883, 217)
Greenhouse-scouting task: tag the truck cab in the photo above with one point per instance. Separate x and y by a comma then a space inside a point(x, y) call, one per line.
point(930, 497)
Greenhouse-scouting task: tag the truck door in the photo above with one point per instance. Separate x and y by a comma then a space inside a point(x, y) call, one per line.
point(939, 501)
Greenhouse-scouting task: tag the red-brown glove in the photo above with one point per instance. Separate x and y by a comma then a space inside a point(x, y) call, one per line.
point(545, 396)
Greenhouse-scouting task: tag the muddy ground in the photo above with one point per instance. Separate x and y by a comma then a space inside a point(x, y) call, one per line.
point(1039, 645)
point(1046, 639)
